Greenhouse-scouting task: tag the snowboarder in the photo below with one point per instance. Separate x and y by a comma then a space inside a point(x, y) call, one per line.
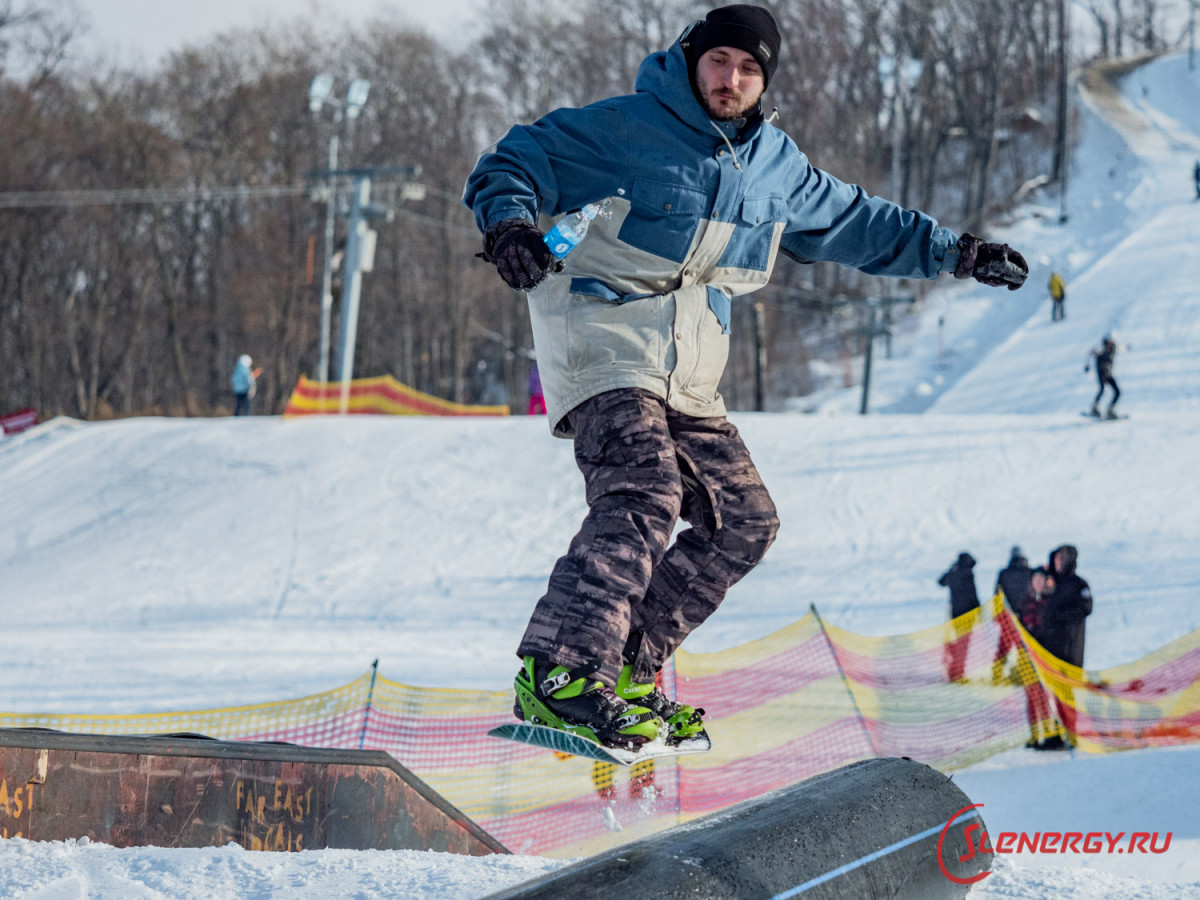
point(245, 385)
point(1058, 294)
point(633, 336)
point(1104, 356)
point(1196, 178)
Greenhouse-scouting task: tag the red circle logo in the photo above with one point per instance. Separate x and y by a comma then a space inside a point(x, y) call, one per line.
point(941, 840)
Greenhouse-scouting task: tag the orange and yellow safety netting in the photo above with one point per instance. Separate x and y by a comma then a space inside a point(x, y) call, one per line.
point(804, 700)
point(383, 395)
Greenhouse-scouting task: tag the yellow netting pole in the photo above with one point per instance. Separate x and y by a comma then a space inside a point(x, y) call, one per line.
point(362, 735)
point(862, 720)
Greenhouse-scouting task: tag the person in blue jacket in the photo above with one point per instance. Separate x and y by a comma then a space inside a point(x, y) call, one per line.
point(245, 385)
point(631, 331)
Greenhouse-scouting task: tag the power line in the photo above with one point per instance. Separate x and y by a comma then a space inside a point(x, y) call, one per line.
point(167, 196)
point(124, 196)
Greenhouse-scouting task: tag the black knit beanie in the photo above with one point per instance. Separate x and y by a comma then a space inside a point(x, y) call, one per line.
point(742, 26)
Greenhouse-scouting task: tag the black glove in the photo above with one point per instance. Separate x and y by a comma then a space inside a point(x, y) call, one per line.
point(519, 253)
point(995, 265)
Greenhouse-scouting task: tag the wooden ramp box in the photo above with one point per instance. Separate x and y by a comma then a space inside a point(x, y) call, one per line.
point(191, 791)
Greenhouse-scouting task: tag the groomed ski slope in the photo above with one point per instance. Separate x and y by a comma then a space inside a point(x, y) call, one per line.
point(170, 564)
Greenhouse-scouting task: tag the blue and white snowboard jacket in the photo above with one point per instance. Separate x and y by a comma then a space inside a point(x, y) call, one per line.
point(701, 210)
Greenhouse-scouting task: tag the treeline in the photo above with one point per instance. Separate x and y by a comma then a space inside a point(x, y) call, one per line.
point(157, 224)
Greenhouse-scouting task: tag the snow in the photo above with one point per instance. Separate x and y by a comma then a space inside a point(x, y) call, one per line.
point(155, 564)
point(84, 869)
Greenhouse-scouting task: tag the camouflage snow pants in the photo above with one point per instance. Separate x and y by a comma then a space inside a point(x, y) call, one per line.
point(619, 594)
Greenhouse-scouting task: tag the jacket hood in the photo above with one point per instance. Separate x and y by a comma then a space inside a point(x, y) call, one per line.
point(1070, 557)
point(665, 75)
point(966, 560)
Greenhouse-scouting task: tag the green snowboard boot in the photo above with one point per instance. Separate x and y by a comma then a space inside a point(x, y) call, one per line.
point(683, 722)
point(568, 700)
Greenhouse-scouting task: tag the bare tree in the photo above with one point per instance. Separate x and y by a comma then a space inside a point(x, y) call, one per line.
point(138, 307)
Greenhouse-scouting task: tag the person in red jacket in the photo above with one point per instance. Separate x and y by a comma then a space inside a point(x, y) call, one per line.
point(960, 579)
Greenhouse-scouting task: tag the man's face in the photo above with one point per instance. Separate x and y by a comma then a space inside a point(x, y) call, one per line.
point(729, 81)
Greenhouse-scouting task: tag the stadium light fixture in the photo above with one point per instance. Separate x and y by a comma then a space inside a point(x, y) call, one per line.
point(319, 92)
point(356, 97)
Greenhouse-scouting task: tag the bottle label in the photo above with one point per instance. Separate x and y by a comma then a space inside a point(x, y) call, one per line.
point(561, 243)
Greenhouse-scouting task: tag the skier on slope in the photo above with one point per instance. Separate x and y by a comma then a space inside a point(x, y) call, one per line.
point(633, 336)
point(1105, 355)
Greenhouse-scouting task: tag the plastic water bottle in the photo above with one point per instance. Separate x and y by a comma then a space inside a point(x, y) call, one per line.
point(570, 230)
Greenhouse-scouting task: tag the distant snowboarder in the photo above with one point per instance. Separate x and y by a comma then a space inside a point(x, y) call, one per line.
point(1196, 178)
point(1105, 355)
point(1058, 293)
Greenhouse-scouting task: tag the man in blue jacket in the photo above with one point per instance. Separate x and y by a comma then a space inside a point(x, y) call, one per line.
point(632, 334)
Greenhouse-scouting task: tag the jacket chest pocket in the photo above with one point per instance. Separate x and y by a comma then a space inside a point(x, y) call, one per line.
point(754, 238)
point(662, 218)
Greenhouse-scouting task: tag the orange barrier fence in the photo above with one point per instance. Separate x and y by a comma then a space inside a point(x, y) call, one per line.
point(803, 700)
point(383, 395)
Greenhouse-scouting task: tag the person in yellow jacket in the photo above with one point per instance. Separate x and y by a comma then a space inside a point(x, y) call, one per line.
point(1058, 293)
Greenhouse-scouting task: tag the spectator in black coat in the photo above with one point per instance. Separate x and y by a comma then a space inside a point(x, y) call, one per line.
point(1014, 578)
point(1065, 611)
point(960, 579)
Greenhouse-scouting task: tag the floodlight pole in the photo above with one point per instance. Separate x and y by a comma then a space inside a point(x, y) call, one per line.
point(327, 275)
point(360, 257)
point(870, 331)
point(360, 196)
point(320, 94)
point(1061, 150)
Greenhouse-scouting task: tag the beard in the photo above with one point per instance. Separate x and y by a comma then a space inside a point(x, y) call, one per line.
point(724, 105)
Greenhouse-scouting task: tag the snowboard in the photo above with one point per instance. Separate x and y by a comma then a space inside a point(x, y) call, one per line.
point(566, 742)
point(1117, 418)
